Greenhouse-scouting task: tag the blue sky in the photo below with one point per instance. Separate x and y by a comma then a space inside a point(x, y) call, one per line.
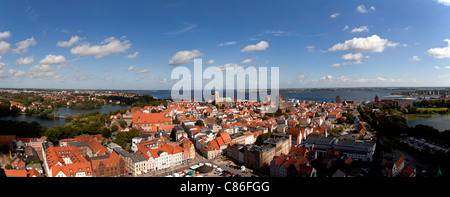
point(137, 44)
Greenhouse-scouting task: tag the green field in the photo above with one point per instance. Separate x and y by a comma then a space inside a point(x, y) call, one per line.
point(432, 109)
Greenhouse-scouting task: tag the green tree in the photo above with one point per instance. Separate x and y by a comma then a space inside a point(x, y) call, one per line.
point(123, 124)
point(133, 133)
point(68, 117)
point(106, 133)
point(262, 138)
point(199, 123)
point(114, 128)
point(15, 110)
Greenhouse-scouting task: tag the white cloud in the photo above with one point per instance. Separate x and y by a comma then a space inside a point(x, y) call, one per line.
point(437, 67)
point(5, 35)
point(17, 73)
point(345, 28)
point(444, 2)
point(370, 44)
point(346, 81)
point(347, 63)
point(183, 57)
point(246, 61)
point(350, 56)
point(132, 56)
point(278, 33)
point(335, 15)
point(73, 40)
point(25, 60)
point(362, 9)
point(53, 60)
point(360, 29)
point(5, 74)
point(328, 77)
point(310, 48)
point(107, 47)
point(209, 62)
point(229, 66)
point(22, 46)
point(226, 43)
point(137, 70)
point(42, 71)
point(4, 47)
point(416, 58)
point(300, 77)
point(250, 60)
point(260, 46)
point(392, 44)
point(440, 52)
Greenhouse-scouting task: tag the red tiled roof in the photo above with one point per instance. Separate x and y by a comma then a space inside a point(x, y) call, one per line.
point(213, 144)
point(16, 173)
point(225, 137)
point(400, 161)
point(151, 118)
point(220, 141)
point(55, 159)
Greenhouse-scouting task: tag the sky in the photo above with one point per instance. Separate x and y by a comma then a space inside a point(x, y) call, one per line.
point(137, 44)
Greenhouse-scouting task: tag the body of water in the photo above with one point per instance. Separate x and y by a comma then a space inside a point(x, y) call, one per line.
point(320, 96)
point(62, 111)
point(439, 122)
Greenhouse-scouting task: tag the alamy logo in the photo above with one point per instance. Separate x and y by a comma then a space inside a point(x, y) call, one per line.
point(235, 83)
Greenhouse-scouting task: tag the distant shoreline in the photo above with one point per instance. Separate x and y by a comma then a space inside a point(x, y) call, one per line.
point(281, 89)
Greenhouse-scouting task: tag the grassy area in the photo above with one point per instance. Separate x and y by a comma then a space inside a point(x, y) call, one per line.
point(437, 110)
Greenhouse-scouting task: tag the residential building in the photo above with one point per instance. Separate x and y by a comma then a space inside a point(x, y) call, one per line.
point(259, 157)
point(358, 150)
point(37, 167)
point(398, 166)
point(17, 162)
point(290, 166)
point(22, 173)
point(66, 162)
point(177, 133)
point(297, 134)
point(108, 165)
point(163, 157)
point(136, 164)
point(188, 146)
point(37, 143)
point(150, 121)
